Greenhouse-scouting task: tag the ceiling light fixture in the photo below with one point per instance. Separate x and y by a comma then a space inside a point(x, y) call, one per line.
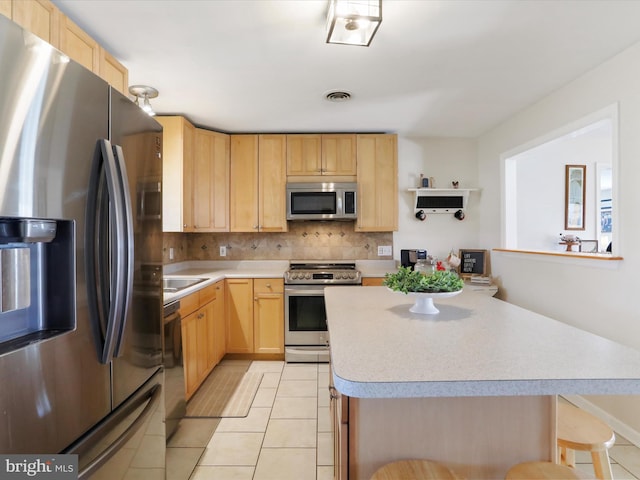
point(144, 92)
point(353, 22)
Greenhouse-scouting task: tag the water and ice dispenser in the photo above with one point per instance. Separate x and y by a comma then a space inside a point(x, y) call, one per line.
point(37, 272)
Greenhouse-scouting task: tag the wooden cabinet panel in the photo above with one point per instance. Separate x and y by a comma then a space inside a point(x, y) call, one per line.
point(177, 174)
point(202, 180)
point(321, 154)
point(268, 315)
point(272, 175)
point(243, 185)
point(211, 181)
point(203, 340)
point(377, 183)
point(112, 71)
point(255, 315)
point(5, 8)
point(220, 196)
point(78, 45)
point(339, 154)
point(190, 353)
point(219, 323)
point(202, 343)
point(40, 17)
point(304, 154)
point(189, 304)
point(372, 281)
point(239, 313)
point(257, 186)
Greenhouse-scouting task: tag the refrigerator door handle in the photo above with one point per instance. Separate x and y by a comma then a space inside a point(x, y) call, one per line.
point(125, 248)
point(152, 396)
point(106, 267)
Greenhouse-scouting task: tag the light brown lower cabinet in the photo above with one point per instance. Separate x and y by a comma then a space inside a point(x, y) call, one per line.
point(372, 281)
point(255, 315)
point(202, 326)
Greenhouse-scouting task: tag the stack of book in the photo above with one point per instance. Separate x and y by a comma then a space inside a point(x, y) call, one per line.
point(480, 279)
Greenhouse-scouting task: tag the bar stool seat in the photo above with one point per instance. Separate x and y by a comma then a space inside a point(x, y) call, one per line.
point(414, 470)
point(579, 430)
point(544, 471)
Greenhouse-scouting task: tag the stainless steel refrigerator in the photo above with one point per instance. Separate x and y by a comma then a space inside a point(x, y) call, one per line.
point(81, 265)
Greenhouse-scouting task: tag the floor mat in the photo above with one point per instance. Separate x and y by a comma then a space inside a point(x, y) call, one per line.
point(227, 392)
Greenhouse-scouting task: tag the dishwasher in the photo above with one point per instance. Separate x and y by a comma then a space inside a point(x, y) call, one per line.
point(175, 403)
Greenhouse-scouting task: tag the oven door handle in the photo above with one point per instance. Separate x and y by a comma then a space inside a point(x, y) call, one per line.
point(297, 292)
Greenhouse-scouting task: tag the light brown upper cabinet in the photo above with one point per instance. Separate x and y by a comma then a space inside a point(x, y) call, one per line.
point(377, 183)
point(304, 155)
point(339, 154)
point(40, 17)
point(272, 181)
point(211, 182)
point(5, 8)
point(258, 183)
point(177, 174)
point(111, 70)
point(78, 45)
point(321, 154)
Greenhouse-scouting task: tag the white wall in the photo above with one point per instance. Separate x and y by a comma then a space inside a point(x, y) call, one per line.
point(582, 293)
point(540, 184)
point(444, 159)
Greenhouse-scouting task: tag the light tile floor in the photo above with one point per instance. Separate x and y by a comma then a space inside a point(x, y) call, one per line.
point(287, 434)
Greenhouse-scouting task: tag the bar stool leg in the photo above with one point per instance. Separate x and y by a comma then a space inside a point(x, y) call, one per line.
point(569, 457)
point(602, 465)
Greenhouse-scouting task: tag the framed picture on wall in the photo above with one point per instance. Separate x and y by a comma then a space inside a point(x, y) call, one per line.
point(574, 197)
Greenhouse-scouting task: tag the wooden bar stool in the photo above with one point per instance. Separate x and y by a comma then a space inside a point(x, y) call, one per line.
point(414, 470)
point(579, 430)
point(543, 471)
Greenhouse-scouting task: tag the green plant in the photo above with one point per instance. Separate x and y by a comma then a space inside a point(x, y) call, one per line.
point(406, 280)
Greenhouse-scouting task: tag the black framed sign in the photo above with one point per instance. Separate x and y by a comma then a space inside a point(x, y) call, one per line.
point(473, 262)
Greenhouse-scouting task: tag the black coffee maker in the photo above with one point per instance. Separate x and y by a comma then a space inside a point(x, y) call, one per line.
point(408, 258)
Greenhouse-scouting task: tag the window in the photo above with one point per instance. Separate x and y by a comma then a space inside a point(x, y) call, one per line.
point(534, 186)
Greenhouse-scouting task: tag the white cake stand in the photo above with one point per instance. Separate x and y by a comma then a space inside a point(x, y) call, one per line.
point(424, 301)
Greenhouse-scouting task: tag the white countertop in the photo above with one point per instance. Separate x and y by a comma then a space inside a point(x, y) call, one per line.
point(219, 270)
point(475, 346)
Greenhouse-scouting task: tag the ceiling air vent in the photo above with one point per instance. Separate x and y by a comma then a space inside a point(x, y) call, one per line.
point(338, 96)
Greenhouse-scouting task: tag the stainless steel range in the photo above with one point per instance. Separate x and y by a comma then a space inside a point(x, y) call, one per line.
point(306, 338)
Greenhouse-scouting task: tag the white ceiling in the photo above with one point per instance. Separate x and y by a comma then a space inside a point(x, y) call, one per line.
point(435, 68)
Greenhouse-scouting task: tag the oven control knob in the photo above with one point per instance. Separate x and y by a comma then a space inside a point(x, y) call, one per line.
point(351, 276)
point(294, 276)
point(307, 276)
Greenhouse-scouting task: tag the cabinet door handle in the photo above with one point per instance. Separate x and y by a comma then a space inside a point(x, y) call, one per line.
point(268, 285)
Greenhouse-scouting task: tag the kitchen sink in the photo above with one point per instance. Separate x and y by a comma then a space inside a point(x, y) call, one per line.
point(175, 284)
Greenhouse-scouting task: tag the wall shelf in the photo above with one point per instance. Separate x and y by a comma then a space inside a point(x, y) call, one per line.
point(441, 200)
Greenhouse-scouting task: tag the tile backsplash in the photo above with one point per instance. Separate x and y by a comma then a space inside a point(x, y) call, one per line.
point(304, 240)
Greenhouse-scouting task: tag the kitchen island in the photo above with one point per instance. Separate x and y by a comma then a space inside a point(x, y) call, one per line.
point(474, 386)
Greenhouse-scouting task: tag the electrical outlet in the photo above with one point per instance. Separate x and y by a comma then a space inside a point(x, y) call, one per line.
point(171, 253)
point(385, 251)
point(223, 251)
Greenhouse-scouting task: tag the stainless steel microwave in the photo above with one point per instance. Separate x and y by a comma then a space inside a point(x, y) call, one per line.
point(321, 201)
